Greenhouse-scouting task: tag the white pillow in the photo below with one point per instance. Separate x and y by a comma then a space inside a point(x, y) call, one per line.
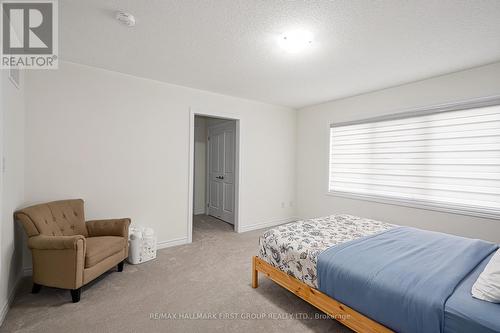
point(487, 286)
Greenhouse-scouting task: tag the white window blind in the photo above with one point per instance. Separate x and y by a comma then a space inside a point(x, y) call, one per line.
point(447, 160)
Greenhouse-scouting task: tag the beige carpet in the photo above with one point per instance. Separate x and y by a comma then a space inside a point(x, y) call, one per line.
point(185, 288)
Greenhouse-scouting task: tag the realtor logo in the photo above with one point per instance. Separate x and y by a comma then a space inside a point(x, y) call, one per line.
point(29, 34)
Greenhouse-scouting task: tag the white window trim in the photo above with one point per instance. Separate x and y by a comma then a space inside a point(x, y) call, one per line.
point(412, 203)
point(446, 208)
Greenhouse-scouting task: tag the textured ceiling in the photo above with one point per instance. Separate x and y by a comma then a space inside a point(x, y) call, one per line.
point(229, 46)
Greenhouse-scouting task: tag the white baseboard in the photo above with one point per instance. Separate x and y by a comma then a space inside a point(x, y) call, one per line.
point(199, 211)
point(27, 271)
point(10, 299)
point(266, 224)
point(173, 242)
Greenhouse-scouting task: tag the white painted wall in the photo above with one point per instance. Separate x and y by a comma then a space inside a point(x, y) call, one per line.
point(12, 186)
point(121, 143)
point(313, 140)
point(200, 158)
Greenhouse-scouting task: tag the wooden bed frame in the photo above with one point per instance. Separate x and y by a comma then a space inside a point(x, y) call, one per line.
point(344, 314)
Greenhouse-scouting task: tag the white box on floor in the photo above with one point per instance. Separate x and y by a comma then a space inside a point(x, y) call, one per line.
point(142, 245)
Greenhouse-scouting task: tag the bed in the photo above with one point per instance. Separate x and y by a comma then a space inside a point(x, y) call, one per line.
point(294, 247)
point(361, 272)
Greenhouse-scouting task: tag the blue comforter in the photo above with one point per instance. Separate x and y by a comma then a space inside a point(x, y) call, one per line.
point(402, 277)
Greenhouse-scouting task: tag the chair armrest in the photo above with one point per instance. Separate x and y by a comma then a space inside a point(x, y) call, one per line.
point(58, 261)
point(43, 242)
point(113, 227)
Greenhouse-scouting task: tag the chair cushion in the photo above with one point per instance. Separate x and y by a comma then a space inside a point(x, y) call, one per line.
point(99, 248)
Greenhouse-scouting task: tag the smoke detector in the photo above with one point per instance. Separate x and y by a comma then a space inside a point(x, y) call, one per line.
point(125, 18)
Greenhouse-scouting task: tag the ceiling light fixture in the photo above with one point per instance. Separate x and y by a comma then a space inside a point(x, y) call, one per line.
point(295, 41)
point(125, 18)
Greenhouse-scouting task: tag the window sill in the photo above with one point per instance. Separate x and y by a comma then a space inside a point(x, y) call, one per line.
point(453, 209)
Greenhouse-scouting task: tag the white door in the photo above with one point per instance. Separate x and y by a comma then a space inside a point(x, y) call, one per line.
point(221, 175)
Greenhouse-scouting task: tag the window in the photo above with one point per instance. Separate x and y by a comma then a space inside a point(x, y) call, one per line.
point(437, 160)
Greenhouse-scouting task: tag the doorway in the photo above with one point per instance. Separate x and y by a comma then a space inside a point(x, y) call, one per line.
point(214, 176)
point(220, 171)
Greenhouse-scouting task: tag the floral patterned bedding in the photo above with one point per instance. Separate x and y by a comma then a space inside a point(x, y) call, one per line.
point(294, 247)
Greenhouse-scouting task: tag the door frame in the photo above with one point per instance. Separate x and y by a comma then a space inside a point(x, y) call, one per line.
point(222, 115)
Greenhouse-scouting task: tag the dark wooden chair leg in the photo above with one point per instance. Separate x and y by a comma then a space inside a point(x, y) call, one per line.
point(120, 266)
point(36, 288)
point(75, 295)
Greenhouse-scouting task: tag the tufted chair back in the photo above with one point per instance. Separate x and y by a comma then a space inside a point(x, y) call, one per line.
point(57, 218)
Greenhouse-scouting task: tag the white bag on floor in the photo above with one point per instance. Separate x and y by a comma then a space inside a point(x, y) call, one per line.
point(142, 245)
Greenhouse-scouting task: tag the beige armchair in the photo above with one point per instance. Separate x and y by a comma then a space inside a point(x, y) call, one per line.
point(67, 252)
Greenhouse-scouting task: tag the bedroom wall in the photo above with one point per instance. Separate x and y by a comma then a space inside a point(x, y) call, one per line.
point(313, 141)
point(121, 143)
point(12, 186)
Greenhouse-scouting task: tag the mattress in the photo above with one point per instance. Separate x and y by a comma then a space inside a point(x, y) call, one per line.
point(294, 247)
point(463, 313)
